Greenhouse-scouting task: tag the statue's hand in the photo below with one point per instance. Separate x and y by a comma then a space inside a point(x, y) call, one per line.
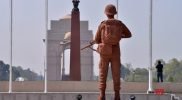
point(92, 42)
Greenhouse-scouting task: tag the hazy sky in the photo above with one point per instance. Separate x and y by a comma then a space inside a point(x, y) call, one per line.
point(29, 29)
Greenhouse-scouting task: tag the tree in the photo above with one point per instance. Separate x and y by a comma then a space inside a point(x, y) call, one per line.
point(170, 79)
point(17, 72)
point(4, 71)
point(138, 75)
point(124, 72)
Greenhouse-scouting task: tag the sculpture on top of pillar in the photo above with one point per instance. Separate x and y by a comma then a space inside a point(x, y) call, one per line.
point(75, 70)
point(75, 4)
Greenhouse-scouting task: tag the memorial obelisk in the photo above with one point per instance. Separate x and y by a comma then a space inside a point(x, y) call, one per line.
point(75, 73)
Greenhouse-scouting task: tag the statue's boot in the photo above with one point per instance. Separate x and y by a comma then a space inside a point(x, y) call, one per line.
point(102, 96)
point(117, 95)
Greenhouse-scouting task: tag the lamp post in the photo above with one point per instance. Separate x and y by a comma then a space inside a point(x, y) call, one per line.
point(117, 8)
point(150, 86)
point(46, 46)
point(11, 45)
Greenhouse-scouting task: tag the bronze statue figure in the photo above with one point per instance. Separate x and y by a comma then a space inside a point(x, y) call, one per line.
point(108, 36)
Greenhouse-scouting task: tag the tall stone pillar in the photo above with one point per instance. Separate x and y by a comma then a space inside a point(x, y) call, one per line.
point(75, 71)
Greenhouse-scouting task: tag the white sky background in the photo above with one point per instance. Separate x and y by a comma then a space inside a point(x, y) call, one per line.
point(29, 29)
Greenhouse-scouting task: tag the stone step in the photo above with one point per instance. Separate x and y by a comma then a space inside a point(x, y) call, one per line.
point(74, 96)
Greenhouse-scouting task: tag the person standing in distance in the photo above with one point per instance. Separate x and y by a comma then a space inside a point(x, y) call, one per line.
point(159, 68)
point(108, 36)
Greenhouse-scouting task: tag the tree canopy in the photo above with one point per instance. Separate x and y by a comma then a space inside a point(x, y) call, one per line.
point(172, 72)
point(17, 72)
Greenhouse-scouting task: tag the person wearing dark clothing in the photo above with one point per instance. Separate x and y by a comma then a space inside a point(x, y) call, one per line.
point(159, 68)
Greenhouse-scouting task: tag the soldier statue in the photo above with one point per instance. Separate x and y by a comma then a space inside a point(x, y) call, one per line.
point(108, 36)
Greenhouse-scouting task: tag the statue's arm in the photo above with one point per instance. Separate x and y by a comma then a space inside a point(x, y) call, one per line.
point(125, 32)
point(97, 39)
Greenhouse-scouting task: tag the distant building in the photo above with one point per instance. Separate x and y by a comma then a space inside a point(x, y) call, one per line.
point(58, 41)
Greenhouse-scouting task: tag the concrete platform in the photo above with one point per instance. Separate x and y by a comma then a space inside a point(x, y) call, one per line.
point(73, 96)
point(67, 90)
point(88, 86)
